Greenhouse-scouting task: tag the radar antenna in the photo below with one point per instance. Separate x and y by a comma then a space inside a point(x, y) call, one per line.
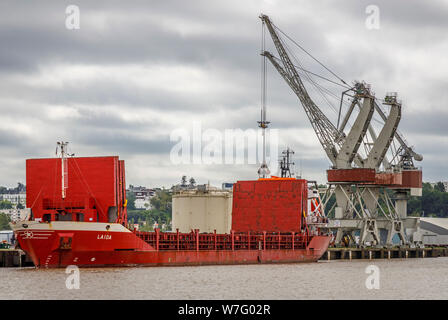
point(285, 164)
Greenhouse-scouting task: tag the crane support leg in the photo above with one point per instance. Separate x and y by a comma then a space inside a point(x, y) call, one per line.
point(401, 203)
point(370, 197)
point(385, 138)
point(369, 233)
point(343, 209)
point(396, 227)
point(351, 144)
point(348, 114)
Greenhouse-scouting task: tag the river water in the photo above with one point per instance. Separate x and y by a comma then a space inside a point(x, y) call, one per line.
point(398, 279)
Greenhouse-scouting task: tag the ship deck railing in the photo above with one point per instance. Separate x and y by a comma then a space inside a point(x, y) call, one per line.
point(222, 242)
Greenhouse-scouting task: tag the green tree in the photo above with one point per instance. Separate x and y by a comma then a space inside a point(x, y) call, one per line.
point(130, 196)
point(156, 203)
point(433, 202)
point(160, 212)
point(5, 204)
point(4, 222)
point(440, 187)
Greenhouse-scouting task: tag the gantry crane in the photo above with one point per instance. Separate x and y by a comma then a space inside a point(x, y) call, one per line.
point(360, 183)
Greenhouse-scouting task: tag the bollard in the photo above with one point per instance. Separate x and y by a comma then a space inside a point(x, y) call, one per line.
point(388, 254)
point(350, 254)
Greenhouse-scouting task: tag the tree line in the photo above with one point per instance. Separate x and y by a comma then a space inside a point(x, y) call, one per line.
point(5, 204)
point(160, 212)
point(4, 222)
point(432, 203)
point(19, 189)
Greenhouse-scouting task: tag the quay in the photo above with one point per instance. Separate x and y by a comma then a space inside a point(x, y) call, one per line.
point(383, 253)
point(14, 258)
point(18, 258)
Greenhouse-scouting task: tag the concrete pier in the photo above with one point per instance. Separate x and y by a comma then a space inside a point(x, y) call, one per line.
point(18, 258)
point(384, 253)
point(14, 258)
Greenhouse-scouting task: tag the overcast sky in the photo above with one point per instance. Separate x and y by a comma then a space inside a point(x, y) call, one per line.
point(137, 70)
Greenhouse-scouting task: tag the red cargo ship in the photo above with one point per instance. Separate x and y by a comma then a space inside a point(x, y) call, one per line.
point(78, 217)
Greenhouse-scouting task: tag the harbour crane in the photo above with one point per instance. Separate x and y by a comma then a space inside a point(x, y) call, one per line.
point(359, 182)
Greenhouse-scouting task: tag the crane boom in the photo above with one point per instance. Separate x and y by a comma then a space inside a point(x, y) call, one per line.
point(330, 137)
point(397, 135)
point(326, 132)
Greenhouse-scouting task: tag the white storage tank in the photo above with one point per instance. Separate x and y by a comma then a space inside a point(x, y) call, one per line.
point(204, 208)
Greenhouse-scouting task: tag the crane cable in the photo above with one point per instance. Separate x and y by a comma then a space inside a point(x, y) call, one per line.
point(309, 54)
point(316, 75)
point(324, 78)
point(319, 87)
point(323, 91)
point(307, 74)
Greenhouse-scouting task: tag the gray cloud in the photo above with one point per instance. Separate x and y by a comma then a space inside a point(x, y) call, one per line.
point(137, 70)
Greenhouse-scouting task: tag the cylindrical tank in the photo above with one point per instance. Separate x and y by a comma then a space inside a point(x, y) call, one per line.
point(206, 210)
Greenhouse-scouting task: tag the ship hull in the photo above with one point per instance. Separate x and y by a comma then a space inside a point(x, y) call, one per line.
point(60, 244)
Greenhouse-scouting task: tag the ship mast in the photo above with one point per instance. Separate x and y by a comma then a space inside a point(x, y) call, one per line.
point(285, 164)
point(64, 168)
point(263, 171)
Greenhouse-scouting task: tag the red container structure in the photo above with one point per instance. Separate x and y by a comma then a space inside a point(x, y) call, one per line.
point(404, 179)
point(95, 189)
point(412, 179)
point(276, 205)
point(79, 218)
point(351, 175)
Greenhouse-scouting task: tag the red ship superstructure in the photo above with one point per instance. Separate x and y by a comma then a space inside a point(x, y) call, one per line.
point(78, 217)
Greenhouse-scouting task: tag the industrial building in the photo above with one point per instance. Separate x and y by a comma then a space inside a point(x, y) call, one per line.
point(432, 231)
point(15, 199)
point(6, 236)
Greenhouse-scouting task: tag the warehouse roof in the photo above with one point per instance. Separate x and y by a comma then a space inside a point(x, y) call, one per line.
point(436, 225)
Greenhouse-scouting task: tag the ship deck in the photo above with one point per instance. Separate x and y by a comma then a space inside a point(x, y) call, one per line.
point(221, 242)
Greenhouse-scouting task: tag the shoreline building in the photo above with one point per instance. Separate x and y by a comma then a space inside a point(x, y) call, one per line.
point(445, 185)
point(16, 214)
point(14, 198)
point(143, 196)
point(15, 195)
